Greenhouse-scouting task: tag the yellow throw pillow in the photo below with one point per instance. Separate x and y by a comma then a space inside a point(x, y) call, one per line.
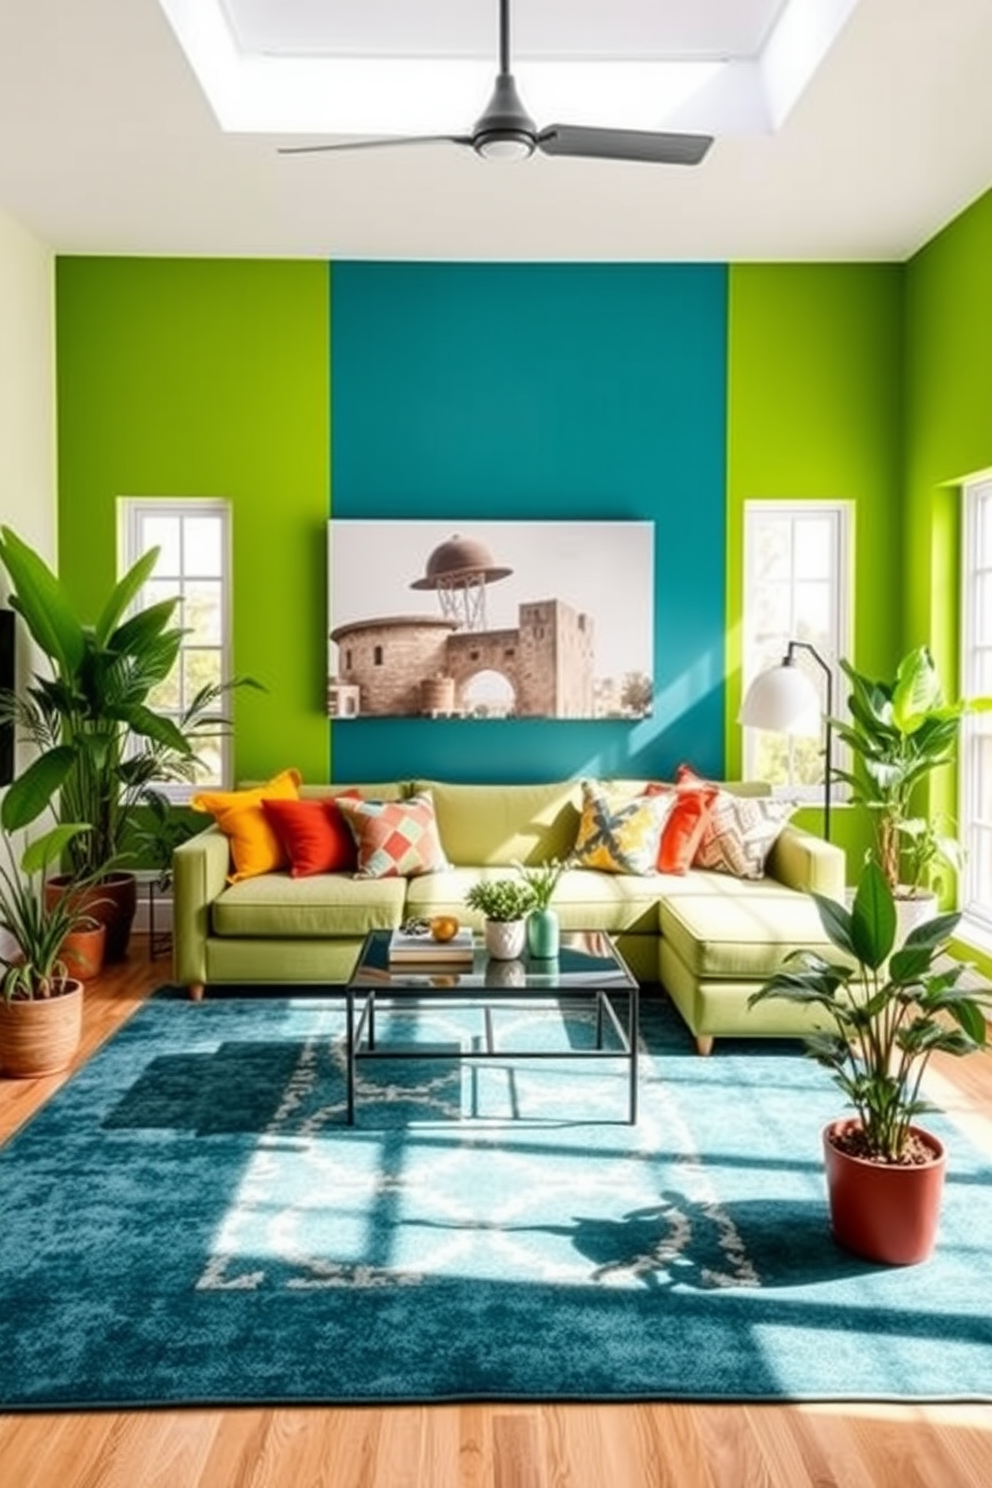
point(620, 833)
point(255, 847)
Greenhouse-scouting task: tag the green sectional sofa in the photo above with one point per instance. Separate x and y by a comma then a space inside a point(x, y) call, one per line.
point(707, 938)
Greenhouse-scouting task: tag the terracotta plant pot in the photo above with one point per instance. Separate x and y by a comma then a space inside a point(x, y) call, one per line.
point(41, 1038)
point(83, 952)
point(113, 901)
point(884, 1212)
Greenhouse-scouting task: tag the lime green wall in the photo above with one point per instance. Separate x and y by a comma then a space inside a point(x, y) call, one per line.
point(814, 412)
point(948, 421)
point(186, 377)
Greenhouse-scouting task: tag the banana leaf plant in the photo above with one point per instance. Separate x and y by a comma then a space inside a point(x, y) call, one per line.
point(898, 733)
point(99, 743)
point(891, 1008)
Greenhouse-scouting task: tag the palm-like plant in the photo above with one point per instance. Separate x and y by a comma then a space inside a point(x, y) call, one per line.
point(34, 970)
point(892, 1009)
point(99, 741)
point(899, 732)
point(542, 880)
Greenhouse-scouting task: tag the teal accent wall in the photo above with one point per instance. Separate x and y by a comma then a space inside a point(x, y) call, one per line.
point(186, 377)
point(549, 391)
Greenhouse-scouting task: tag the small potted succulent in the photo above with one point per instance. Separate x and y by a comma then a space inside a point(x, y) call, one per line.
point(891, 1008)
point(41, 1004)
point(504, 903)
point(543, 929)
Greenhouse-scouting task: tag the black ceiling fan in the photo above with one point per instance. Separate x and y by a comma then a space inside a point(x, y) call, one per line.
point(506, 131)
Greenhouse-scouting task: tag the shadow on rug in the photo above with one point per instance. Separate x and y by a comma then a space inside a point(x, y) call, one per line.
point(189, 1220)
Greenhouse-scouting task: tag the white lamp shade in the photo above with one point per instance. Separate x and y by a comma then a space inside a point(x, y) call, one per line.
point(783, 700)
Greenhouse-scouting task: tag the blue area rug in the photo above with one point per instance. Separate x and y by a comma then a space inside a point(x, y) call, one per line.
point(190, 1221)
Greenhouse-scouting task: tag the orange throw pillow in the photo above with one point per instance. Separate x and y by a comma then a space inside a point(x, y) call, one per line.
point(686, 824)
point(314, 835)
point(255, 846)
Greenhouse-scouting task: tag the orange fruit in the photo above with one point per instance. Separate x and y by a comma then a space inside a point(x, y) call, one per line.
point(444, 927)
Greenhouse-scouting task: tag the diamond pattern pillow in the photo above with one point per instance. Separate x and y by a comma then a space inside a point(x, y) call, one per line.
point(395, 839)
point(740, 833)
point(620, 833)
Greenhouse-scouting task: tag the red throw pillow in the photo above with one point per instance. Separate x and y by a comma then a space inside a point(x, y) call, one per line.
point(683, 831)
point(314, 834)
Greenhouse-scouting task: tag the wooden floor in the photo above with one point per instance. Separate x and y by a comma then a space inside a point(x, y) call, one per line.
point(498, 1446)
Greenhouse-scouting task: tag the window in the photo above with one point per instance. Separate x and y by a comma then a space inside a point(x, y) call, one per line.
point(797, 561)
point(975, 778)
point(193, 539)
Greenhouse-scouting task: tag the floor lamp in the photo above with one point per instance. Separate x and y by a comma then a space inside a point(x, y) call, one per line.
point(784, 700)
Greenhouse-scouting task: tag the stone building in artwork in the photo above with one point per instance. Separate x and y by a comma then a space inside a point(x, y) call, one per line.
point(418, 664)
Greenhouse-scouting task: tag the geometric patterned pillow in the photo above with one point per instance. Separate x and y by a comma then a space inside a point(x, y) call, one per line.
point(740, 833)
point(395, 839)
point(620, 833)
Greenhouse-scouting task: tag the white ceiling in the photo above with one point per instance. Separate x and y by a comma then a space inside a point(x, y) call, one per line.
point(109, 145)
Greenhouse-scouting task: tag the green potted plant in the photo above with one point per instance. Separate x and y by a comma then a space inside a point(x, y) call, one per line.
point(504, 904)
point(898, 733)
point(99, 741)
point(543, 930)
point(888, 1010)
point(41, 1004)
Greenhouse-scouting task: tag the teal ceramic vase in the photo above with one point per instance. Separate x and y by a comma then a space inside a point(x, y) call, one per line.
point(543, 936)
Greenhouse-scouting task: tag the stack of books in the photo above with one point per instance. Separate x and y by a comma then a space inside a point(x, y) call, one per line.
point(424, 950)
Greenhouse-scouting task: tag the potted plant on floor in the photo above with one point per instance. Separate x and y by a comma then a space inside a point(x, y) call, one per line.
point(891, 1009)
point(898, 733)
point(99, 741)
point(543, 929)
point(504, 904)
point(41, 1004)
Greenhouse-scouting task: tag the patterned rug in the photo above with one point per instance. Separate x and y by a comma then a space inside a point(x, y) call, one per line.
point(189, 1220)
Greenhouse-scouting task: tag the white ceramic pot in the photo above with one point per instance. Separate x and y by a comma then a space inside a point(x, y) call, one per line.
point(912, 910)
point(505, 939)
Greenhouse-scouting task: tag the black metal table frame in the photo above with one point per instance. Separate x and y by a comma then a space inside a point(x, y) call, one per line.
point(484, 999)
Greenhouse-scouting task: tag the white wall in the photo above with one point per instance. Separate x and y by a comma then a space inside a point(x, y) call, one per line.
point(27, 388)
point(27, 398)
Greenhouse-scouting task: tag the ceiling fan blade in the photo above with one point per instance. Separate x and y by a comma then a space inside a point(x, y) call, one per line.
point(623, 144)
point(384, 142)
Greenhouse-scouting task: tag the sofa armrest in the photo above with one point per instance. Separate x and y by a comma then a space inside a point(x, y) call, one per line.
point(801, 860)
point(199, 873)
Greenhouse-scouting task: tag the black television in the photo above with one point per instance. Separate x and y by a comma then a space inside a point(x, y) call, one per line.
point(6, 680)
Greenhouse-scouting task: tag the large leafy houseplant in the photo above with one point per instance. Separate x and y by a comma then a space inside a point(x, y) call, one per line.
point(899, 732)
point(888, 1010)
point(99, 741)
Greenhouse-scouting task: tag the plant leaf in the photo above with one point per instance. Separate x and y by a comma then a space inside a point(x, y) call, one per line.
point(873, 918)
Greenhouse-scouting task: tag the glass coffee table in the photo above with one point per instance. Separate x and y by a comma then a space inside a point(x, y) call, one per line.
point(588, 968)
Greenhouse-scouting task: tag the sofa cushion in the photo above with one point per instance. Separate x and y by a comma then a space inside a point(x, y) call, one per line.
point(740, 935)
point(683, 831)
point(620, 832)
point(314, 835)
point(254, 844)
point(496, 825)
point(583, 899)
point(395, 839)
point(330, 905)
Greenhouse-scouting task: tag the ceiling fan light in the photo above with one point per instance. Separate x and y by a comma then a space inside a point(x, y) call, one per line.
point(504, 146)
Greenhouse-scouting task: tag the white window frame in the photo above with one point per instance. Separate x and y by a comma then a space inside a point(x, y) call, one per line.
point(976, 638)
point(841, 511)
point(130, 547)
